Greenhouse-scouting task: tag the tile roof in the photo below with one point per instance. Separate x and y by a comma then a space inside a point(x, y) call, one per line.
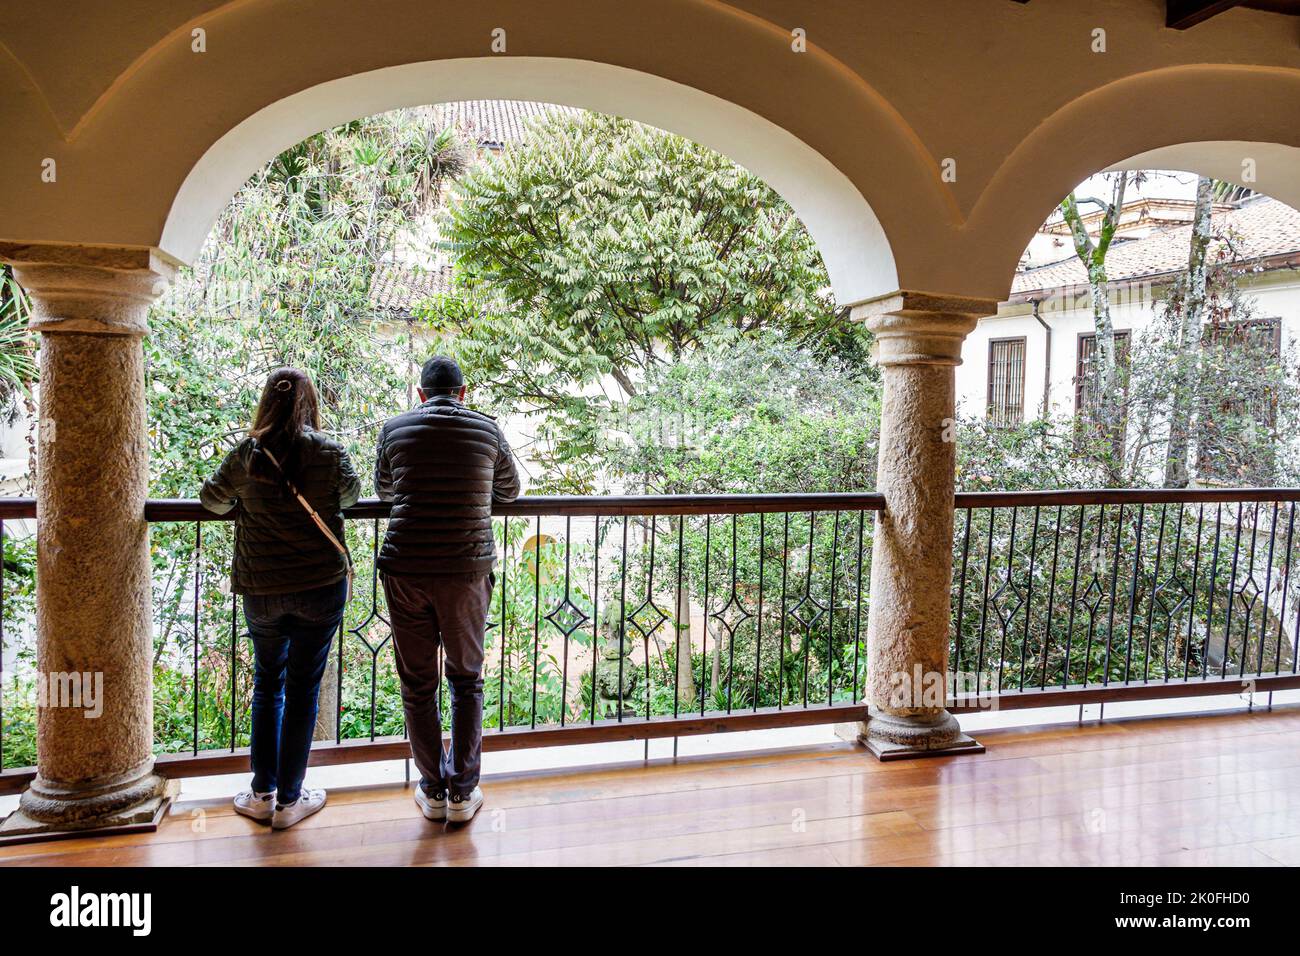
point(398, 286)
point(1260, 228)
point(496, 123)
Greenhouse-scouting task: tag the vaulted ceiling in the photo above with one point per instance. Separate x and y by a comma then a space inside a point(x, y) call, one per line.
point(942, 132)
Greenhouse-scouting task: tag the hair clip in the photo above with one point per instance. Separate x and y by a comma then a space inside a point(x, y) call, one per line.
point(284, 385)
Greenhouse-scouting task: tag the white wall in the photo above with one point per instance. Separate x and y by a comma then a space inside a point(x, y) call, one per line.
point(1275, 294)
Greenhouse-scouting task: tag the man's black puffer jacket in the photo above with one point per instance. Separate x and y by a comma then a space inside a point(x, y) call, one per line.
point(278, 548)
point(442, 466)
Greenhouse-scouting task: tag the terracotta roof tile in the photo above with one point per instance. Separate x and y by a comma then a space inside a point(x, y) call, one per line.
point(1260, 228)
point(398, 286)
point(496, 123)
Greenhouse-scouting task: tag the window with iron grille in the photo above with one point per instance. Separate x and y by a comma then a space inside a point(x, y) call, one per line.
point(1233, 441)
point(1006, 393)
point(1265, 334)
point(1083, 368)
point(1083, 386)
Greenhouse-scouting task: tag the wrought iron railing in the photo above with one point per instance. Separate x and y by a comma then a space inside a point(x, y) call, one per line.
point(1107, 595)
point(611, 618)
point(624, 618)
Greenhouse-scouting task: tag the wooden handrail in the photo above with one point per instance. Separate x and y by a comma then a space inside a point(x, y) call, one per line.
point(189, 509)
point(17, 508)
point(1116, 496)
point(582, 505)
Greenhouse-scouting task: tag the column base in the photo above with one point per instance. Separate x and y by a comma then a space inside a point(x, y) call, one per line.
point(46, 813)
point(890, 737)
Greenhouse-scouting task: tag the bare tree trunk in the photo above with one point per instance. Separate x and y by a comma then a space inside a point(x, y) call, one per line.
point(29, 404)
point(685, 673)
point(327, 716)
point(1189, 338)
point(1107, 402)
point(412, 367)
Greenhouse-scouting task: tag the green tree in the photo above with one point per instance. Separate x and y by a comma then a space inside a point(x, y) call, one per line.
point(17, 357)
point(758, 416)
point(1217, 394)
point(598, 250)
point(1105, 402)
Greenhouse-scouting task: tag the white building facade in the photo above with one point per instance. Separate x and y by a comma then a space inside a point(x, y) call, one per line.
point(1028, 358)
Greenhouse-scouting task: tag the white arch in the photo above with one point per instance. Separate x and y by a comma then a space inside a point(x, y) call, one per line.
point(848, 234)
point(1276, 167)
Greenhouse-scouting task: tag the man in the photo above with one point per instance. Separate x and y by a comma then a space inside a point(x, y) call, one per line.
point(442, 466)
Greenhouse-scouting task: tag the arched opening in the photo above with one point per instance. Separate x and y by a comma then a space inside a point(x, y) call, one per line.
point(571, 583)
point(1149, 341)
point(853, 242)
point(1095, 131)
point(1272, 169)
point(1107, 281)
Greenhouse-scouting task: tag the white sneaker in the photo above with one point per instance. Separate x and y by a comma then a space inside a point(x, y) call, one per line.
point(432, 805)
point(462, 809)
point(256, 806)
point(286, 815)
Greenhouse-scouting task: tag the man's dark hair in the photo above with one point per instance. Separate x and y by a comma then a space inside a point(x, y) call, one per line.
point(441, 376)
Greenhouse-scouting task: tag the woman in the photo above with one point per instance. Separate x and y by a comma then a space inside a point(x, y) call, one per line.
point(293, 575)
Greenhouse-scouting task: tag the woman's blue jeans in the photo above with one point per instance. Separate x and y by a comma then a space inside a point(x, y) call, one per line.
point(292, 635)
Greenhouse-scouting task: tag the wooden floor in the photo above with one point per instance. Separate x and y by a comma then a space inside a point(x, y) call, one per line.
point(1207, 790)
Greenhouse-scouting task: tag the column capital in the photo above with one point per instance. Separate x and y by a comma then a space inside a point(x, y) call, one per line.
point(96, 290)
point(921, 328)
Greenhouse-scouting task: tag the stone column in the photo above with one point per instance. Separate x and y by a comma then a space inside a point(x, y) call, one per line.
point(93, 597)
point(918, 344)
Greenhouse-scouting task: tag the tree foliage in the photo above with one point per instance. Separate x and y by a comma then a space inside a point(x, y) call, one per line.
point(1236, 376)
point(285, 279)
point(760, 416)
point(17, 350)
point(599, 251)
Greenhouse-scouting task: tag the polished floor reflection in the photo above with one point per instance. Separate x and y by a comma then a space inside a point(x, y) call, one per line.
point(1221, 789)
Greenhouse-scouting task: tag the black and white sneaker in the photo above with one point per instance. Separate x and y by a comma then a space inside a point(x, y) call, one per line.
point(432, 804)
point(287, 814)
point(255, 805)
point(461, 809)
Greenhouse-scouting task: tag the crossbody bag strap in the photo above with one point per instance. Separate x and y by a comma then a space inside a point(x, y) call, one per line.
point(320, 522)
